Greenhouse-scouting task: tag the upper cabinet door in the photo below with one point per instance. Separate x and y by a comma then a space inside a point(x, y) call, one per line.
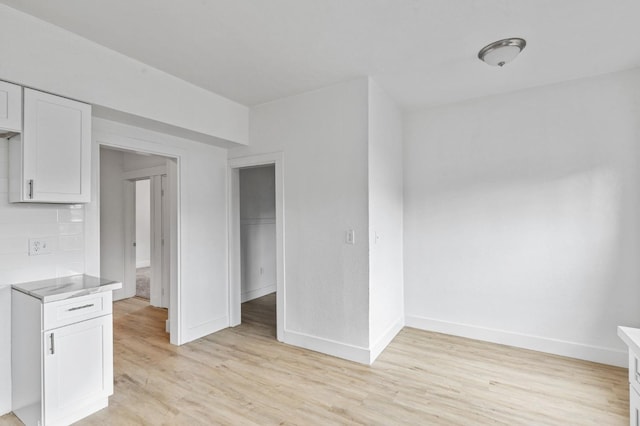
point(10, 107)
point(56, 149)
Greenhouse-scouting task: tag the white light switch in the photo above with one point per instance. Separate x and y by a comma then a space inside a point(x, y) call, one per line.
point(350, 237)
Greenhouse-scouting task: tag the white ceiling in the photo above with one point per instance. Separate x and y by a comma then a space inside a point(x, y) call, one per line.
point(422, 52)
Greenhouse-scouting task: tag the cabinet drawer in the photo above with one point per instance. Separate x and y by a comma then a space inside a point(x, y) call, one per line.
point(68, 311)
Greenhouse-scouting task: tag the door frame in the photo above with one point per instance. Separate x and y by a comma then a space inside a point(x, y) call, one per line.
point(235, 164)
point(173, 179)
point(159, 231)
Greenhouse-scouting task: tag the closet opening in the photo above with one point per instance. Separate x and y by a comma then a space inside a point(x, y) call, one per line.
point(256, 243)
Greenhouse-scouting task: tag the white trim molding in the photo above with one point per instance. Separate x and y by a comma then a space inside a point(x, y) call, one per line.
point(259, 292)
point(233, 219)
point(145, 173)
point(123, 137)
point(592, 353)
point(378, 347)
point(328, 347)
point(342, 350)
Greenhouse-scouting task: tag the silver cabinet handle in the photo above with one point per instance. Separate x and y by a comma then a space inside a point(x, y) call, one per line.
point(31, 189)
point(75, 308)
point(53, 348)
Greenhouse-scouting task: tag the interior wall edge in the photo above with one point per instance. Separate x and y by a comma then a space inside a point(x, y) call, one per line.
point(385, 339)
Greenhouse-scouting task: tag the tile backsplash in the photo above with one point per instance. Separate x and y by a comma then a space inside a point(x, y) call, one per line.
point(60, 223)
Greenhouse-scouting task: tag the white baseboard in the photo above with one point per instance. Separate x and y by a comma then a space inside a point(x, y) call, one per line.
point(598, 354)
point(384, 341)
point(124, 293)
point(204, 329)
point(327, 346)
point(143, 263)
point(254, 294)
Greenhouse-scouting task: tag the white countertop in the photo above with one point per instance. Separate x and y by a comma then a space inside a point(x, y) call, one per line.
point(631, 336)
point(61, 288)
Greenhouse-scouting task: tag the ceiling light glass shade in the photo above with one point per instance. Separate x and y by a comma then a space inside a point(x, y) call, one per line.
point(501, 52)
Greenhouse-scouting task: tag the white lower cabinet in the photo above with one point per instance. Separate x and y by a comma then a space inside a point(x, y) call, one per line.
point(62, 358)
point(634, 407)
point(634, 389)
point(78, 367)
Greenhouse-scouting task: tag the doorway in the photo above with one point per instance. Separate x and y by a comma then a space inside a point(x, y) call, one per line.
point(137, 210)
point(256, 241)
point(151, 234)
point(143, 238)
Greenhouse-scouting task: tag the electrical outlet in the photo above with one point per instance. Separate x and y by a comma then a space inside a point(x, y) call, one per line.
point(38, 246)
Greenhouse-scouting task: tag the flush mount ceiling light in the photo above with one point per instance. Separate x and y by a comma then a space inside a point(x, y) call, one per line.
point(500, 52)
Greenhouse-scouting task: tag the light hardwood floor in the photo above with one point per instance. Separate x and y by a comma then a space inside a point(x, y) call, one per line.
point(244, 376)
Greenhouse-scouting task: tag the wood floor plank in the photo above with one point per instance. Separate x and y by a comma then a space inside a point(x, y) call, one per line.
point(242, 375)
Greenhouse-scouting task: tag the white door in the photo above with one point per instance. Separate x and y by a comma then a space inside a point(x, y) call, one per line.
point(160, 259)
point(78, 366)
point(166, 233)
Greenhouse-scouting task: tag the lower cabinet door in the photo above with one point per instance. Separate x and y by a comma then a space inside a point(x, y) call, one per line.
point(78, 367)
point(634, 407)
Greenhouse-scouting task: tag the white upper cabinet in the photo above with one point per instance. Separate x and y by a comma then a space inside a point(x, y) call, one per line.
point(10, 108)
point(50, 162)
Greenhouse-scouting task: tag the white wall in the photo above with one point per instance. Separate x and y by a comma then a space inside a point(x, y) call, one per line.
point(19, 222)
point(323, 135)
point(386, 300)
point(111, 235)
point(143, 223)
point(203, 297)
point(258, 231)
point(84, 70)
point(522, 217)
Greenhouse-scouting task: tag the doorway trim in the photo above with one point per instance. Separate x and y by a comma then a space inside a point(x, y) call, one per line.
point(159, 232)
point(235, 164)
point(127, 143)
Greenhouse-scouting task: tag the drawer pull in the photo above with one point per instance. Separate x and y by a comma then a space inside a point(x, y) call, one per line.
point(76, 308)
